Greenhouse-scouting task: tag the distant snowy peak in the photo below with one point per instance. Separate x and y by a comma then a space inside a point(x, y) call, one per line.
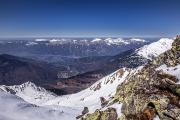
point(29, 92)
point(108, 41)
point(116, 41)
point(96, 40)
point(156, 48)
point(137, 39)
point(40, 40)
point(22, 87)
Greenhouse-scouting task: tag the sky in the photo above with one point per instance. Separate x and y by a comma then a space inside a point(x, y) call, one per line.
point(89, 18)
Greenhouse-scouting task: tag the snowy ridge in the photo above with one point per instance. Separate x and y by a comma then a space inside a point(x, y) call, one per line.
point(29, 92)
point(71, 105)
point(90, 97)
point(156, 48)
point(53, 107)
point(40, 40)
point(96, 40)
point(108, 41)
point(15, 108)
point(19, 100)
point(137, 39)
point(116, 41)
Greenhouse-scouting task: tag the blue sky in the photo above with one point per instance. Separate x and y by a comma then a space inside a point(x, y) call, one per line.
point(86, 18)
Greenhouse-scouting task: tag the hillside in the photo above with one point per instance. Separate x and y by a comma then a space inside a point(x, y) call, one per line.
point(103, 66)
point(16, 70)
point(148, 92)
point(152, 93)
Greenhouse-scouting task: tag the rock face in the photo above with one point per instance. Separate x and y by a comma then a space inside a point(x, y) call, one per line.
point(148, 93)
point(85, 110)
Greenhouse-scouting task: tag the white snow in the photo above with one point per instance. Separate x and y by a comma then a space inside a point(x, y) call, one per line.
point(29, 92)
point(156, 118)
point(27, 101)
point(31, 43)
point(96, 40)
point(15, 108)
point(90, 97)
point(137, 39)
point(156, 48)
point(40, 40)
point(72, 105)
point(111, 41)
point(117, 106)
point(116, 41)
point(175, 71)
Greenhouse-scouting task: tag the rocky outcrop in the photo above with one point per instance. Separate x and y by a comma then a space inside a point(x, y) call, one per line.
point(104, 102)
point(108, 114)
point(86, 110)
point(148, 93)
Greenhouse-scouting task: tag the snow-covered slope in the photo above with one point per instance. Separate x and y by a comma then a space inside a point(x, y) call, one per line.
point(90, 97)
point(156, 48)
point(15, 108)
point(52, 107)
point(29, 92)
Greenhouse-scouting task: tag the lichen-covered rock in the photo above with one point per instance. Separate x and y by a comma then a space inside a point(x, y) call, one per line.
point(108, 114)
point(148, 93)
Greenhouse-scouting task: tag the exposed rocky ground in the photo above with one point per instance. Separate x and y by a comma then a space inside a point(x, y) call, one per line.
point(149, 94)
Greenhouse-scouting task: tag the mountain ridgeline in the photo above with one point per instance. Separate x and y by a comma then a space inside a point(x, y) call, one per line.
point(151, 93)
point(71, 75)
point(16, 70)
point(147, 91)
point(74, 75)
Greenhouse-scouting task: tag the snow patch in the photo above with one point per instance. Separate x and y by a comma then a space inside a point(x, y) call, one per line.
point(15, 108)
point(154, 49)
point(117, 106)
point(156, 118)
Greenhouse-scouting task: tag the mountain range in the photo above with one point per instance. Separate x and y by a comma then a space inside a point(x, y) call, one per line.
point(61, 79)
point(147, 91)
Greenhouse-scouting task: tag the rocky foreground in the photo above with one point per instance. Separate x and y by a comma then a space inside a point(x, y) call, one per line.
point(152, 93)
